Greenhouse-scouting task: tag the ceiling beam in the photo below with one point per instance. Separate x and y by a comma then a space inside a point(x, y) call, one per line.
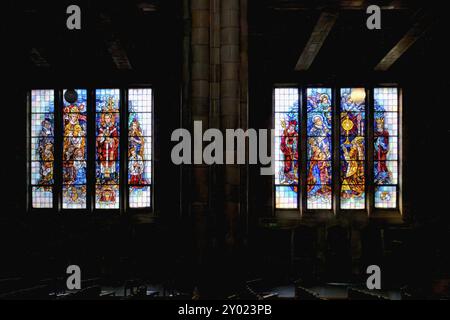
point(113, 44)
point(318, 36)
point(423, 21)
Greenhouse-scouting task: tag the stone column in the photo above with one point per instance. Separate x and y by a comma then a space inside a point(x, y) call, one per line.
point(218, 81)
point(200, 103)
point(230, 98)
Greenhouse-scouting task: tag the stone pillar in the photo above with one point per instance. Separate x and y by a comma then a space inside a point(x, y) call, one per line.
point(230, 98)
point(200, 103)
point(218, 98)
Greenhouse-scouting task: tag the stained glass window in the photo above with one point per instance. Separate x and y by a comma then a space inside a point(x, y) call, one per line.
point(286, 148)
point(42, 148)
point(74, 151)
point(319, 148)
point(139, 147)
point(352, 152)
point(107, 107)
point(386, 147)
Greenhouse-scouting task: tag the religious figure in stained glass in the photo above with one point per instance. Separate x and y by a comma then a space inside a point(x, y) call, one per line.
point(139, 147)
point(107, 149)
point(286, 147)
point(386, 147)
point(289, 149)
point(45, 152)
point(382, 173)
point(108, 145)
point(47, 165)
point(135, 168)
point(352, 153)
point(136, 140)
point(42, 148)
point(319, 148)
point(136, 163)
point(354, 176)
point(319, 173)
point(74, 132)
point(74, 152)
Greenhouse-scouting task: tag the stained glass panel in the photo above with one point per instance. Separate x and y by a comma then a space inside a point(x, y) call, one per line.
point(352, 151)
point(74, 152)
point(386, 147)
point(286, 197)
point(386, 197)
point(319, 148)
point(107, 106)
point(74, 197)
point(42, 197)
point(107, 196)
point(286, 148)
point(42, 147)
point(139, 147)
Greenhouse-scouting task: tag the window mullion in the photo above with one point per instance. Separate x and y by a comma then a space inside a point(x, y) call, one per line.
point(303, 155)
point(370, 197)
point(123, 151)
point(90, 201)
point(336, 183)
point(57, 170)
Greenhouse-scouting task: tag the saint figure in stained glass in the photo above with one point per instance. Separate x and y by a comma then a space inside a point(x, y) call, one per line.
point(382, 173)
point(319, 173)
point(353, 180)
point(136, 140)
point(47, 165)
point(108, 144)
point(288, 147)
point(45, 152)
point(319, 148)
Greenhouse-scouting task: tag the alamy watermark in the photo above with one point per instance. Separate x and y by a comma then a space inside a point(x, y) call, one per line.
point(229, 150)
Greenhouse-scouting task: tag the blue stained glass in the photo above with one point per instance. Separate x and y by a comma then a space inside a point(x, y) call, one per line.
point(385, 197)
point(287, 128)
point(319, 173)
point(353, 100)
point(42, 197)
point(319, 124)
point(75, 151)
point(107, 102)
point(42, 147)
point(352, 148)
point(319, 147)
point(74, 197)
point(139, 147)
point(286, 197)
point(386, 147)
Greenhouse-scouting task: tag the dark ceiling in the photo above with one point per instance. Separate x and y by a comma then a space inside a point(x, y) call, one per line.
point(116, 36)
point(279, 31)
point(145, 37)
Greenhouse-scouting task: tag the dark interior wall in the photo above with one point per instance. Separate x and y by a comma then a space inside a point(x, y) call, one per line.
point(42, 244)
point(125, 246)
point(347, 58)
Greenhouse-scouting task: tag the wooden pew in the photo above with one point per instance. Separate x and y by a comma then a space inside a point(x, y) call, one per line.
point(88, 293)
point(11, 284)
point(357, 294)
point(135, 287)
point(33, 293)
point(302, 293)
point(254, 290)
